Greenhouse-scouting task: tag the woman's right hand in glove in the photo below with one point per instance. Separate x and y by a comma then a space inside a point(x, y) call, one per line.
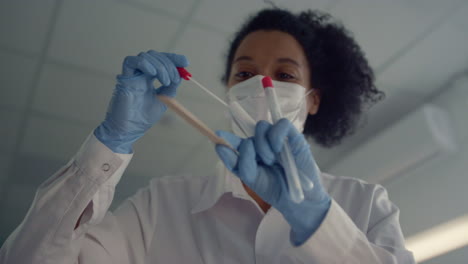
point(134, 107)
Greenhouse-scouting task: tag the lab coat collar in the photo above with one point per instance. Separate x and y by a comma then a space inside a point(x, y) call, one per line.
point(222, 182)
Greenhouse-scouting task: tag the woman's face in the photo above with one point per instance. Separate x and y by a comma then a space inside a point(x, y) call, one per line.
point(275, 54)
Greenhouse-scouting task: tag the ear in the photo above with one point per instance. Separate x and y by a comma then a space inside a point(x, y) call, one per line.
point(313, 102)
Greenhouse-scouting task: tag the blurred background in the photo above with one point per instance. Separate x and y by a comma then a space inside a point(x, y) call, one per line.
point(59, 59)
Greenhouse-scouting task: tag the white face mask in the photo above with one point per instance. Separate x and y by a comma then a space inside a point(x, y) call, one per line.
point(248, 105)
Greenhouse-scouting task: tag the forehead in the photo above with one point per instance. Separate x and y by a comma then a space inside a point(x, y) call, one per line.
point(270, 45)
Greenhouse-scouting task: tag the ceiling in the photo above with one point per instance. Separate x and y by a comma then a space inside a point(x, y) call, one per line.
point(59, 58)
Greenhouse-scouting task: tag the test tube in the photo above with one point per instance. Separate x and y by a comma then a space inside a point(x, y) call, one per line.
point(286, 157)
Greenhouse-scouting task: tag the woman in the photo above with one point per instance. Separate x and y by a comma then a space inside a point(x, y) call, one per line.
point(244, 214)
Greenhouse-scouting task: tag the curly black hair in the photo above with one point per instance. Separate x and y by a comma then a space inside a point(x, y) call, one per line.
point(338, 69)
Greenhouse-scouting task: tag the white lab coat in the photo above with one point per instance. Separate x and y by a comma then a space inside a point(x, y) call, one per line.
point(193, 220)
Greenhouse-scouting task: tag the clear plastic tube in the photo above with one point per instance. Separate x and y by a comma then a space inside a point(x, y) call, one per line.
point(286, 157)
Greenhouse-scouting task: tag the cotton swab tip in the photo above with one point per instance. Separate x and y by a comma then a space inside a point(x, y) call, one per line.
point(184, 73)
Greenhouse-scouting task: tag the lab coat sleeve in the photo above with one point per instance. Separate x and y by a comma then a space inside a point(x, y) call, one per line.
point(123, 236)
point(85, 186)
point(339, 240)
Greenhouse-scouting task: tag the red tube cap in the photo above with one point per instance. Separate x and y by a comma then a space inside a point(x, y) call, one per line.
point(267, 82)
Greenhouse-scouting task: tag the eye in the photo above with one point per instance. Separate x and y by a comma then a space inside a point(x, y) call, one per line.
point(243, 75)
point(285, 76)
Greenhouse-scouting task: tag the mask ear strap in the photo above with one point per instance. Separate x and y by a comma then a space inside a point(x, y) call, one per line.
point(303, 100)
point(309, 92)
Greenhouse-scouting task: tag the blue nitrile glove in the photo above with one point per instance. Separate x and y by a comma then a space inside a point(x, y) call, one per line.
point(258, 167)
point(134, 108)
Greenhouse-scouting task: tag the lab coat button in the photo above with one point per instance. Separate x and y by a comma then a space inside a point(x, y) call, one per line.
point(105, 167)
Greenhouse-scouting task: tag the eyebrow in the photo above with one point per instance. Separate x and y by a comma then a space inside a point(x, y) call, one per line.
point(241, 58)
point(280, 60)
point(288, 60)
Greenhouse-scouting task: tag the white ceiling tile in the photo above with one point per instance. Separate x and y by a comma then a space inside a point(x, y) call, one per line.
point(226, 15)
point(12, 215)
point(460, 19)
point(18, 196)
point(53, 138)
point(9, 129)
point(384, 27)
point(5, 161)
point(179, 8)
point(100, 34)
point(24, 23)
point(70, 93)
point(205, 51)
point(16, 73)
point(426, 67)
point(18, 199)
point(302, 5)
point(32, 170)
point(158, 152)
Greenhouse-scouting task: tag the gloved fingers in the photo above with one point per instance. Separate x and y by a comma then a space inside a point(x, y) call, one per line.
point(170, 90)
point(178, 60)
point(132, 63)
point(171, 69)
point(232, 139)
point(247, 165)
point(227, 156)
point(261, 143)
point(302, 154)
point(162, 75)
point(299, 147)
point(154, 111)
point(269, 184)
point(298, 144)
point(278, 134)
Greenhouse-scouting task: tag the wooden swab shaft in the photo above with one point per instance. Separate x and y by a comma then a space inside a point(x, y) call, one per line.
point(193, 120)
